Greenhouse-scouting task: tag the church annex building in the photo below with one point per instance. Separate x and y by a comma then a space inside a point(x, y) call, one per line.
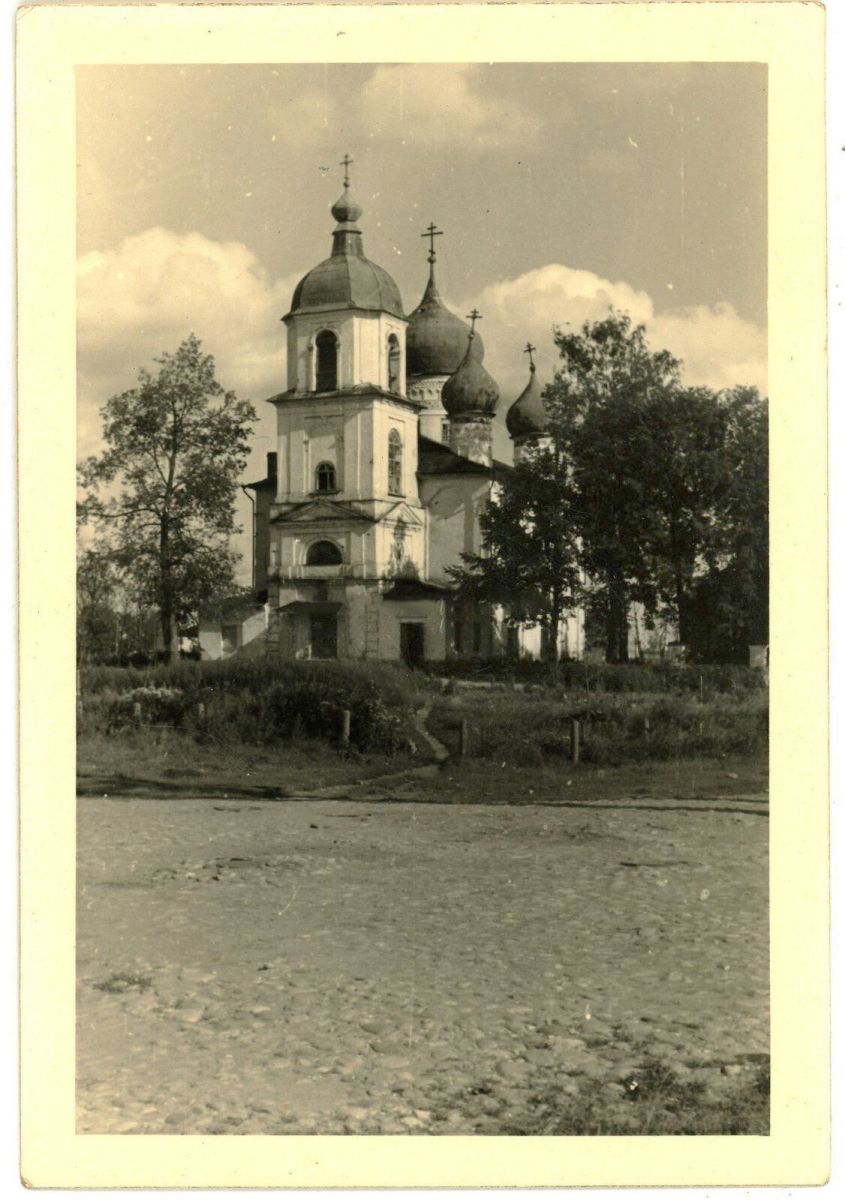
point(383, 465)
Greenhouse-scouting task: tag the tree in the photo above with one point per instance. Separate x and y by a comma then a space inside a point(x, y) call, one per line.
point(600, 404)
point(529, 559)
point(161, 496)
point(97, 619)
point(729, 603)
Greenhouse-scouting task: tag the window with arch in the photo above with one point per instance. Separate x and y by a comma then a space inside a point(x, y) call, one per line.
point(323, 554)
point(325, 477)
point(393, 359)
point(326, 372)
point(394, 463)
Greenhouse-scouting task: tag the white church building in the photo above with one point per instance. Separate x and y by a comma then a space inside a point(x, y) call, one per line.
point(382, 467)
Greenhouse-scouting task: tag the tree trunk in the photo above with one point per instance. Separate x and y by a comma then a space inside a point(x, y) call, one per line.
point(616, 649)
point(166, 590)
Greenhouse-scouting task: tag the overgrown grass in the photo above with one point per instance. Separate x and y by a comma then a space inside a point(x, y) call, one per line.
point(532, 728)
point(655, 1102)
point(256, 702)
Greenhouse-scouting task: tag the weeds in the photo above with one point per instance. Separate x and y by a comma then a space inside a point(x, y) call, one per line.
point(655, 1102)
point(532, 729)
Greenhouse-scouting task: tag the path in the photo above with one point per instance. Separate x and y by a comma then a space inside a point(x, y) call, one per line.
point(332, 966)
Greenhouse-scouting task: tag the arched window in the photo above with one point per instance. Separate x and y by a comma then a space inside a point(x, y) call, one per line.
point(393, 356)
point(326, 361)
point(326, 477)
point(394, 463)
point(323, 554)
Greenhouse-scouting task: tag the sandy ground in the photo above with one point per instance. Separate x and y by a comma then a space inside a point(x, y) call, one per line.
point(326, 967)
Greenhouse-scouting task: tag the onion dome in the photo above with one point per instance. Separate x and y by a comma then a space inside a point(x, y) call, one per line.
point(471, 391)
point(347, 279)
point(436, 340)
point(527, 416)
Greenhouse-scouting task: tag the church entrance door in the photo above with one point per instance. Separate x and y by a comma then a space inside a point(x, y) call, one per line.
point(412, 642)
point(323, 635)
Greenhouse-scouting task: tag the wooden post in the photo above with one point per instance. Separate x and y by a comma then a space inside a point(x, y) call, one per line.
point(345, 726)
point(464, 741)
point(575, 740)
point(647, 727)
point(201, 711)
point(136, 713)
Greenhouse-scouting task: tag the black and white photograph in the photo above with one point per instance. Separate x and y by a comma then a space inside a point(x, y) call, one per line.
point(422, 599)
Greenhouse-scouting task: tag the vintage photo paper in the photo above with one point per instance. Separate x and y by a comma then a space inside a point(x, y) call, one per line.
point(364, 844)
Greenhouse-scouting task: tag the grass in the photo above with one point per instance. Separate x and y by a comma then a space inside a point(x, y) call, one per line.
point(167, 762)
point(655, 1101)
point(533, 728)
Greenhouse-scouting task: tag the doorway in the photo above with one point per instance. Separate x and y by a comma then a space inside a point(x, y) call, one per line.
point(323, 635)
point(412, 642)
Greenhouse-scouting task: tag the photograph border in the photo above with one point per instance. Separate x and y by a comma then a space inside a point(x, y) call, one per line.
point(789, 37)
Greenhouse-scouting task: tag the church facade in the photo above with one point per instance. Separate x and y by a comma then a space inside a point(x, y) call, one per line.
point(382, 468)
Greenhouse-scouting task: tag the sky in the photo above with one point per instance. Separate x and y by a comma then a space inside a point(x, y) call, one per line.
point(204, 196)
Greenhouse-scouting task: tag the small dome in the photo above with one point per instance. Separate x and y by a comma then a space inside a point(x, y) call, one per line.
point(527, 416)
point(436, 339)
point(346, 208)
point(347, 279)
point(472, 390)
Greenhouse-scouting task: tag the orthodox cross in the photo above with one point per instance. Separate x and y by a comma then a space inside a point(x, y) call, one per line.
point(472, 317)
point(346, 163)
point(431, 233)
point(529, 350)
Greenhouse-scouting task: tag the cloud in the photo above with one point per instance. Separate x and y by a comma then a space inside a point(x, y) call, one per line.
point(438, 104)
point(719, 348)
point(146, 295)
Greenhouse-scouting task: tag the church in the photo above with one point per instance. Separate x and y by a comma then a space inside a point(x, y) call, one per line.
point(383, 465)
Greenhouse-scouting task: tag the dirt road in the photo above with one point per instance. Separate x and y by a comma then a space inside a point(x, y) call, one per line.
point(329, 967)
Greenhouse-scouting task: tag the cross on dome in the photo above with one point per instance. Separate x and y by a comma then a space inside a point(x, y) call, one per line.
point(346, 162)
point(472, 317)
point(529, 350)
point(431, 233)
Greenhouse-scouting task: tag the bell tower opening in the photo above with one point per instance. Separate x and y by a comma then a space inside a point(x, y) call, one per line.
point(326, 372)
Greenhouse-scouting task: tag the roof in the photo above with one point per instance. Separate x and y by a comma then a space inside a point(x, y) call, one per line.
point(347, 279)
point(415, 589)
point(435, 458)
point(527, 415)
point(472, 390)
point(436, 339)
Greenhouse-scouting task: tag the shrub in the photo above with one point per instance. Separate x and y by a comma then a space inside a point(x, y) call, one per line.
point(257, 701)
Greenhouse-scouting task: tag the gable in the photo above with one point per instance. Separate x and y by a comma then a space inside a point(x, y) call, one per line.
point(317, 512)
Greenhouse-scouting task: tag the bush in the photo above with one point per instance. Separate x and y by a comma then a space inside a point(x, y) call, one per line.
point(257, 701)
point(535, 727)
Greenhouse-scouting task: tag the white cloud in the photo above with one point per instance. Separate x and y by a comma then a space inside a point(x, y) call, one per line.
point(719, 348)
point(145, 296)
point(437, 105)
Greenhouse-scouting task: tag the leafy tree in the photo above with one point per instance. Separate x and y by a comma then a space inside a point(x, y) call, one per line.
point(601, 407)
point(161, 495)
point(97, 619)
point(529, 559)
point(728, 603)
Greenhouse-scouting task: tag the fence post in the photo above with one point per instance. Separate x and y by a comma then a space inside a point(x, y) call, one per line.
point(575, 740)
point(136, 713)
point(647, 728)
point(464, 741)
point(201, 711)
point(345, 726)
